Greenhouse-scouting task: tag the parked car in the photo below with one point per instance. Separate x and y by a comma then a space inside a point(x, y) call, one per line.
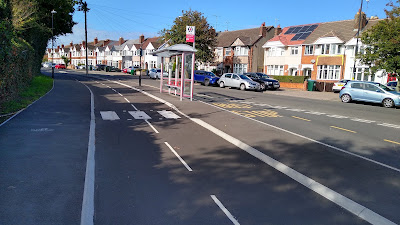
point(81, 67)
point(156, 73)
point(264, 80)
point(369, 92)
point(60, 66)
point(392, 84)
point(46, 65)
point(127, 70)
point(338, 85)
point(238, 81)
point(205, 77)
point(99, 67)
point(112, 69)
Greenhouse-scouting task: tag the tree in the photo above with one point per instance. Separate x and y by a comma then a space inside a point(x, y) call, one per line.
point(205, 40)
point(383, 43)
point(66, 60)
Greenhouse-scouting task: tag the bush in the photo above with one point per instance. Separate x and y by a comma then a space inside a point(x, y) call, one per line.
point(290, 79)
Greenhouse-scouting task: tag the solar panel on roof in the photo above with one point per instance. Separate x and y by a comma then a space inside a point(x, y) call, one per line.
point(296, 37)
point(290, 30)
point(296, 30)
point(304, 36)
point(312, 28)
point(304, 29)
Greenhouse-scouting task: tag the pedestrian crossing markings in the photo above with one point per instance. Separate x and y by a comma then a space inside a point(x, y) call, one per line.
point(139, 115)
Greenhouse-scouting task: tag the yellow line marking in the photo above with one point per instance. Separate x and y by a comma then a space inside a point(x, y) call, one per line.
point(301, 118)
point(392, 141)
point(252, 114)
point(231, 106)
point(344, 129)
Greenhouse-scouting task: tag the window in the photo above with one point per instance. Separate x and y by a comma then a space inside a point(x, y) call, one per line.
point(219, 52)
point(91, 53)
point(309, 50)
point(241, 50)
point(371, 87)
point(357, 85)
point(136, 63)
point(331, 49)
point(228, 75)
point(275, 51)
point(240, 68)
point(362, 74)
point(329, 72)
point(153, 64)
point(294, 50)
point(275, 69)
point(228, 51)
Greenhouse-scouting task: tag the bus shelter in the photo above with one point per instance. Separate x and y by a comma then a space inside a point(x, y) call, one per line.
point(180, 80)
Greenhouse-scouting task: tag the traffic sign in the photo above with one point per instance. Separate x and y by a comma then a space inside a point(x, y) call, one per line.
point(190, 33)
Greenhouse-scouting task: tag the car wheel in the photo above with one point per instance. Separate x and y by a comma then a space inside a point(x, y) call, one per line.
point(262, 86)
point(388, 103)
point(346, 98)
point(243, 87)
point(206, 82)
point(221, 84)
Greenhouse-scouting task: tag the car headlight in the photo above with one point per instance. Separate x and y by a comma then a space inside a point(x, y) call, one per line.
point(269, 82)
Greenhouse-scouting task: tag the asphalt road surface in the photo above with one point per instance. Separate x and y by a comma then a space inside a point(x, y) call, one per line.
point(99, 149)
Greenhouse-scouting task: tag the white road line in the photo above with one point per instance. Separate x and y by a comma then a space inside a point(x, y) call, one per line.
point(315, 113)
point(362, 120)
point(127, 100)
point(222, 207)
point(389, 125)
point(139, 115)
point(155, 130)
point(168, 114)
point(87, 213)
point(337, 116)
point(296, 110)
point(114, 90)
point(134, 107)
point(180, 158)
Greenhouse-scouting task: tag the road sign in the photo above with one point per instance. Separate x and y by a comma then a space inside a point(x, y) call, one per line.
point(190, 33)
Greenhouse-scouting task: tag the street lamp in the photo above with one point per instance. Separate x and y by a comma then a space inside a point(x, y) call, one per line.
point(52, 43)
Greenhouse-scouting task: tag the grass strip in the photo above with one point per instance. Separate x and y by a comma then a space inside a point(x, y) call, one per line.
point(39, 86)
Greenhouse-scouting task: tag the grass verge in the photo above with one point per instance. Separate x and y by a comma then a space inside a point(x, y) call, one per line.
point(39, 86)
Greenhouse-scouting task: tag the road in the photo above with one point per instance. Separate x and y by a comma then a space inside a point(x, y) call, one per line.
point(229, 157)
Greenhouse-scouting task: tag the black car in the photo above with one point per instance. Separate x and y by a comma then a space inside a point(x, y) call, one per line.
point(112, 69)
point(99, 67)
point(265, 81)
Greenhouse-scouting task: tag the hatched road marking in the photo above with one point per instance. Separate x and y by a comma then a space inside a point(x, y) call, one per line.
point(233, 106)
point(168, 114)
point(262, 113)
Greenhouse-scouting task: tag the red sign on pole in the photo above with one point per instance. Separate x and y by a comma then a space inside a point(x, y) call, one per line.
point(190, 33)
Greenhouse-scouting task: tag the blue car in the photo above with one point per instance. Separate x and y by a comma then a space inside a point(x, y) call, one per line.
point(369, 92)
point(205, 77)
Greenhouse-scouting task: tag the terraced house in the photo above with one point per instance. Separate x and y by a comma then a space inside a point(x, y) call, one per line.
point(240, 51)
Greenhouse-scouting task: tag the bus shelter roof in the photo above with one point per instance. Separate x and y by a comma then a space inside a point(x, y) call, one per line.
point(173, 50)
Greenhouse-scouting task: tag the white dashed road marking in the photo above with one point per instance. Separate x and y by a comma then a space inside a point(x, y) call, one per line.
point(363, 121)
point(139, 115)
point(222, 207)
point(169, 114)
point(179, 157)
point(389, 125)
point(109, 115)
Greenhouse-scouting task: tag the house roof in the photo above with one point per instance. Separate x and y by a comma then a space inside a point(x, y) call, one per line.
point(155, 41)
point(285, 37)
point(247, 36)
point(344, 30)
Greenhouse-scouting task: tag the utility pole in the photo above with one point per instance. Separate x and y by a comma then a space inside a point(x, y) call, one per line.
point(357, 36)
point(83, 7)
point(140, 64)
point(52, 43)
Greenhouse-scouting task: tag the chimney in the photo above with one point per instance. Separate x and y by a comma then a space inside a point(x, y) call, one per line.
point(121, 41)
point(96, 40)
point(278, 30)
point(83, 43)
point(263, 30)
point(141, 38)
point(62, 46)
point(58, 47)
point(71, 43)
point(357, 19)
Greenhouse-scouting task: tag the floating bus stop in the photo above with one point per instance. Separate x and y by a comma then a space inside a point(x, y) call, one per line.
point(181, 63)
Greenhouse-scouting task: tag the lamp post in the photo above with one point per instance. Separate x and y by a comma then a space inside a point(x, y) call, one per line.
point(52, 43)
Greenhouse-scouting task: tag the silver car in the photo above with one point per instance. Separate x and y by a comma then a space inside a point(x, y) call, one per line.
point(238, 81)
point(369, 92)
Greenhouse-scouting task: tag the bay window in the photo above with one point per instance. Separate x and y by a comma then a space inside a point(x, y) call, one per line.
point(329, 72)
point(240, 68)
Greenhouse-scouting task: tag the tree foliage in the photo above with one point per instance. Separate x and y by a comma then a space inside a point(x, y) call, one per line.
point(205, 38)
point(383, 42)
point(25, 29)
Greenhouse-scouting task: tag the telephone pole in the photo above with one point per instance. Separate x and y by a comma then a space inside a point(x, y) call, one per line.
point(83, 7)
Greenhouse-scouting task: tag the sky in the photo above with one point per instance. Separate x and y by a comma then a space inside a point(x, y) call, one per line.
point(131, 18)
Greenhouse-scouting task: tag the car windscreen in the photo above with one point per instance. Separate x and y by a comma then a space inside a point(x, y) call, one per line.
point(263, 76)
point(244, 77)
point(386, 88)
